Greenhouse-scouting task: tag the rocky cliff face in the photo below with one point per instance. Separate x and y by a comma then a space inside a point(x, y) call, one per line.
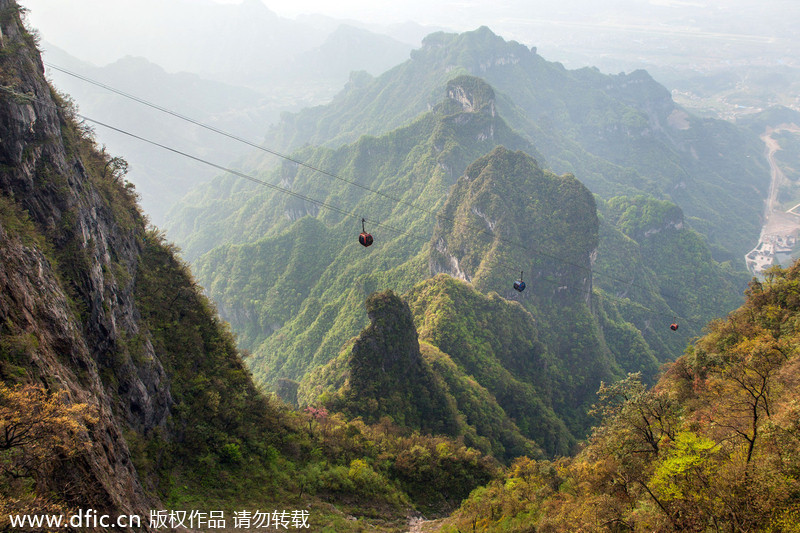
point(523, 216)
point(70, 240)
point(473, 94)
point(387, 374)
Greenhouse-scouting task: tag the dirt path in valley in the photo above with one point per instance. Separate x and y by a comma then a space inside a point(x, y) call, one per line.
point(420, 525)
point(777, 222)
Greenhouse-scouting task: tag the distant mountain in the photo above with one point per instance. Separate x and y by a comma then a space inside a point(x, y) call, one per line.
point(415, 164)
point(409, 32)
point(162, 178)
point(248, 38)
point(730, 91)
point(620, 134)
point(243, 44)
point(774, 116)
point(649, 262)
point(346, 49)
point(293, 81)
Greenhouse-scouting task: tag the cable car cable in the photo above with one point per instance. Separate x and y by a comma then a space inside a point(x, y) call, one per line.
point(518, 285)
point(333, 175)
point(316, 169)
point(234, 137)
point(436, 215)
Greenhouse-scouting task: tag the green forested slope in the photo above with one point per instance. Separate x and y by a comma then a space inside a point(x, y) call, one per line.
point(713, 446)
point(651, 264)
point(498, 344)
point(497, 387)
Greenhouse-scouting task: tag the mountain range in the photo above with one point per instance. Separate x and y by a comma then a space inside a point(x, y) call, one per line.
point(123, 392)
point(621, 134)
point(409, 374)
point(453, 192)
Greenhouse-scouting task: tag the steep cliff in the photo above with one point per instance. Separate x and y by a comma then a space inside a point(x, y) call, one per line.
point(97, 310)
point(68, 285)
point(507, 213)
point(478, 395)
point(505, 210)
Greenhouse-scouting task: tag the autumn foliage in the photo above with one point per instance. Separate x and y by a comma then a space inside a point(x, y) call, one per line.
point(713, 446)
point(39, 429)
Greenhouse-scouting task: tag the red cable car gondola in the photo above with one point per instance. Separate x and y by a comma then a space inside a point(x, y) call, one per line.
point(674, 326)
point(365, 238)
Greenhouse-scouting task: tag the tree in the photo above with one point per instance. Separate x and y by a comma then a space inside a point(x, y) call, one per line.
point(743, 387)
point(118, 167)
point(38, 428)
point(646, 417)
point(636, 424)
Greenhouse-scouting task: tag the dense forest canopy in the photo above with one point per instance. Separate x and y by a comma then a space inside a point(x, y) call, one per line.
point(711, 447)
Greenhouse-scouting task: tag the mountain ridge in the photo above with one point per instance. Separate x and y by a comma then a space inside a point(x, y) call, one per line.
point(621, 134)
point(294, 319)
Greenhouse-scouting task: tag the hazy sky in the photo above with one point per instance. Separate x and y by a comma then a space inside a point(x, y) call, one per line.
point(455, 14)
point(377, 11)
point(93, 26)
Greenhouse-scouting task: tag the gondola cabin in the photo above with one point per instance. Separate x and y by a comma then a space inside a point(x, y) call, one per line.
point(519, 285)
point(673, 326)
point(365, 238)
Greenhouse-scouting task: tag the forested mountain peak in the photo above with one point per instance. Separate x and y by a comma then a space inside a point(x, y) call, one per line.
point(529, 217)
point(481, 50)
point(473, 94)
point(386, 374)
